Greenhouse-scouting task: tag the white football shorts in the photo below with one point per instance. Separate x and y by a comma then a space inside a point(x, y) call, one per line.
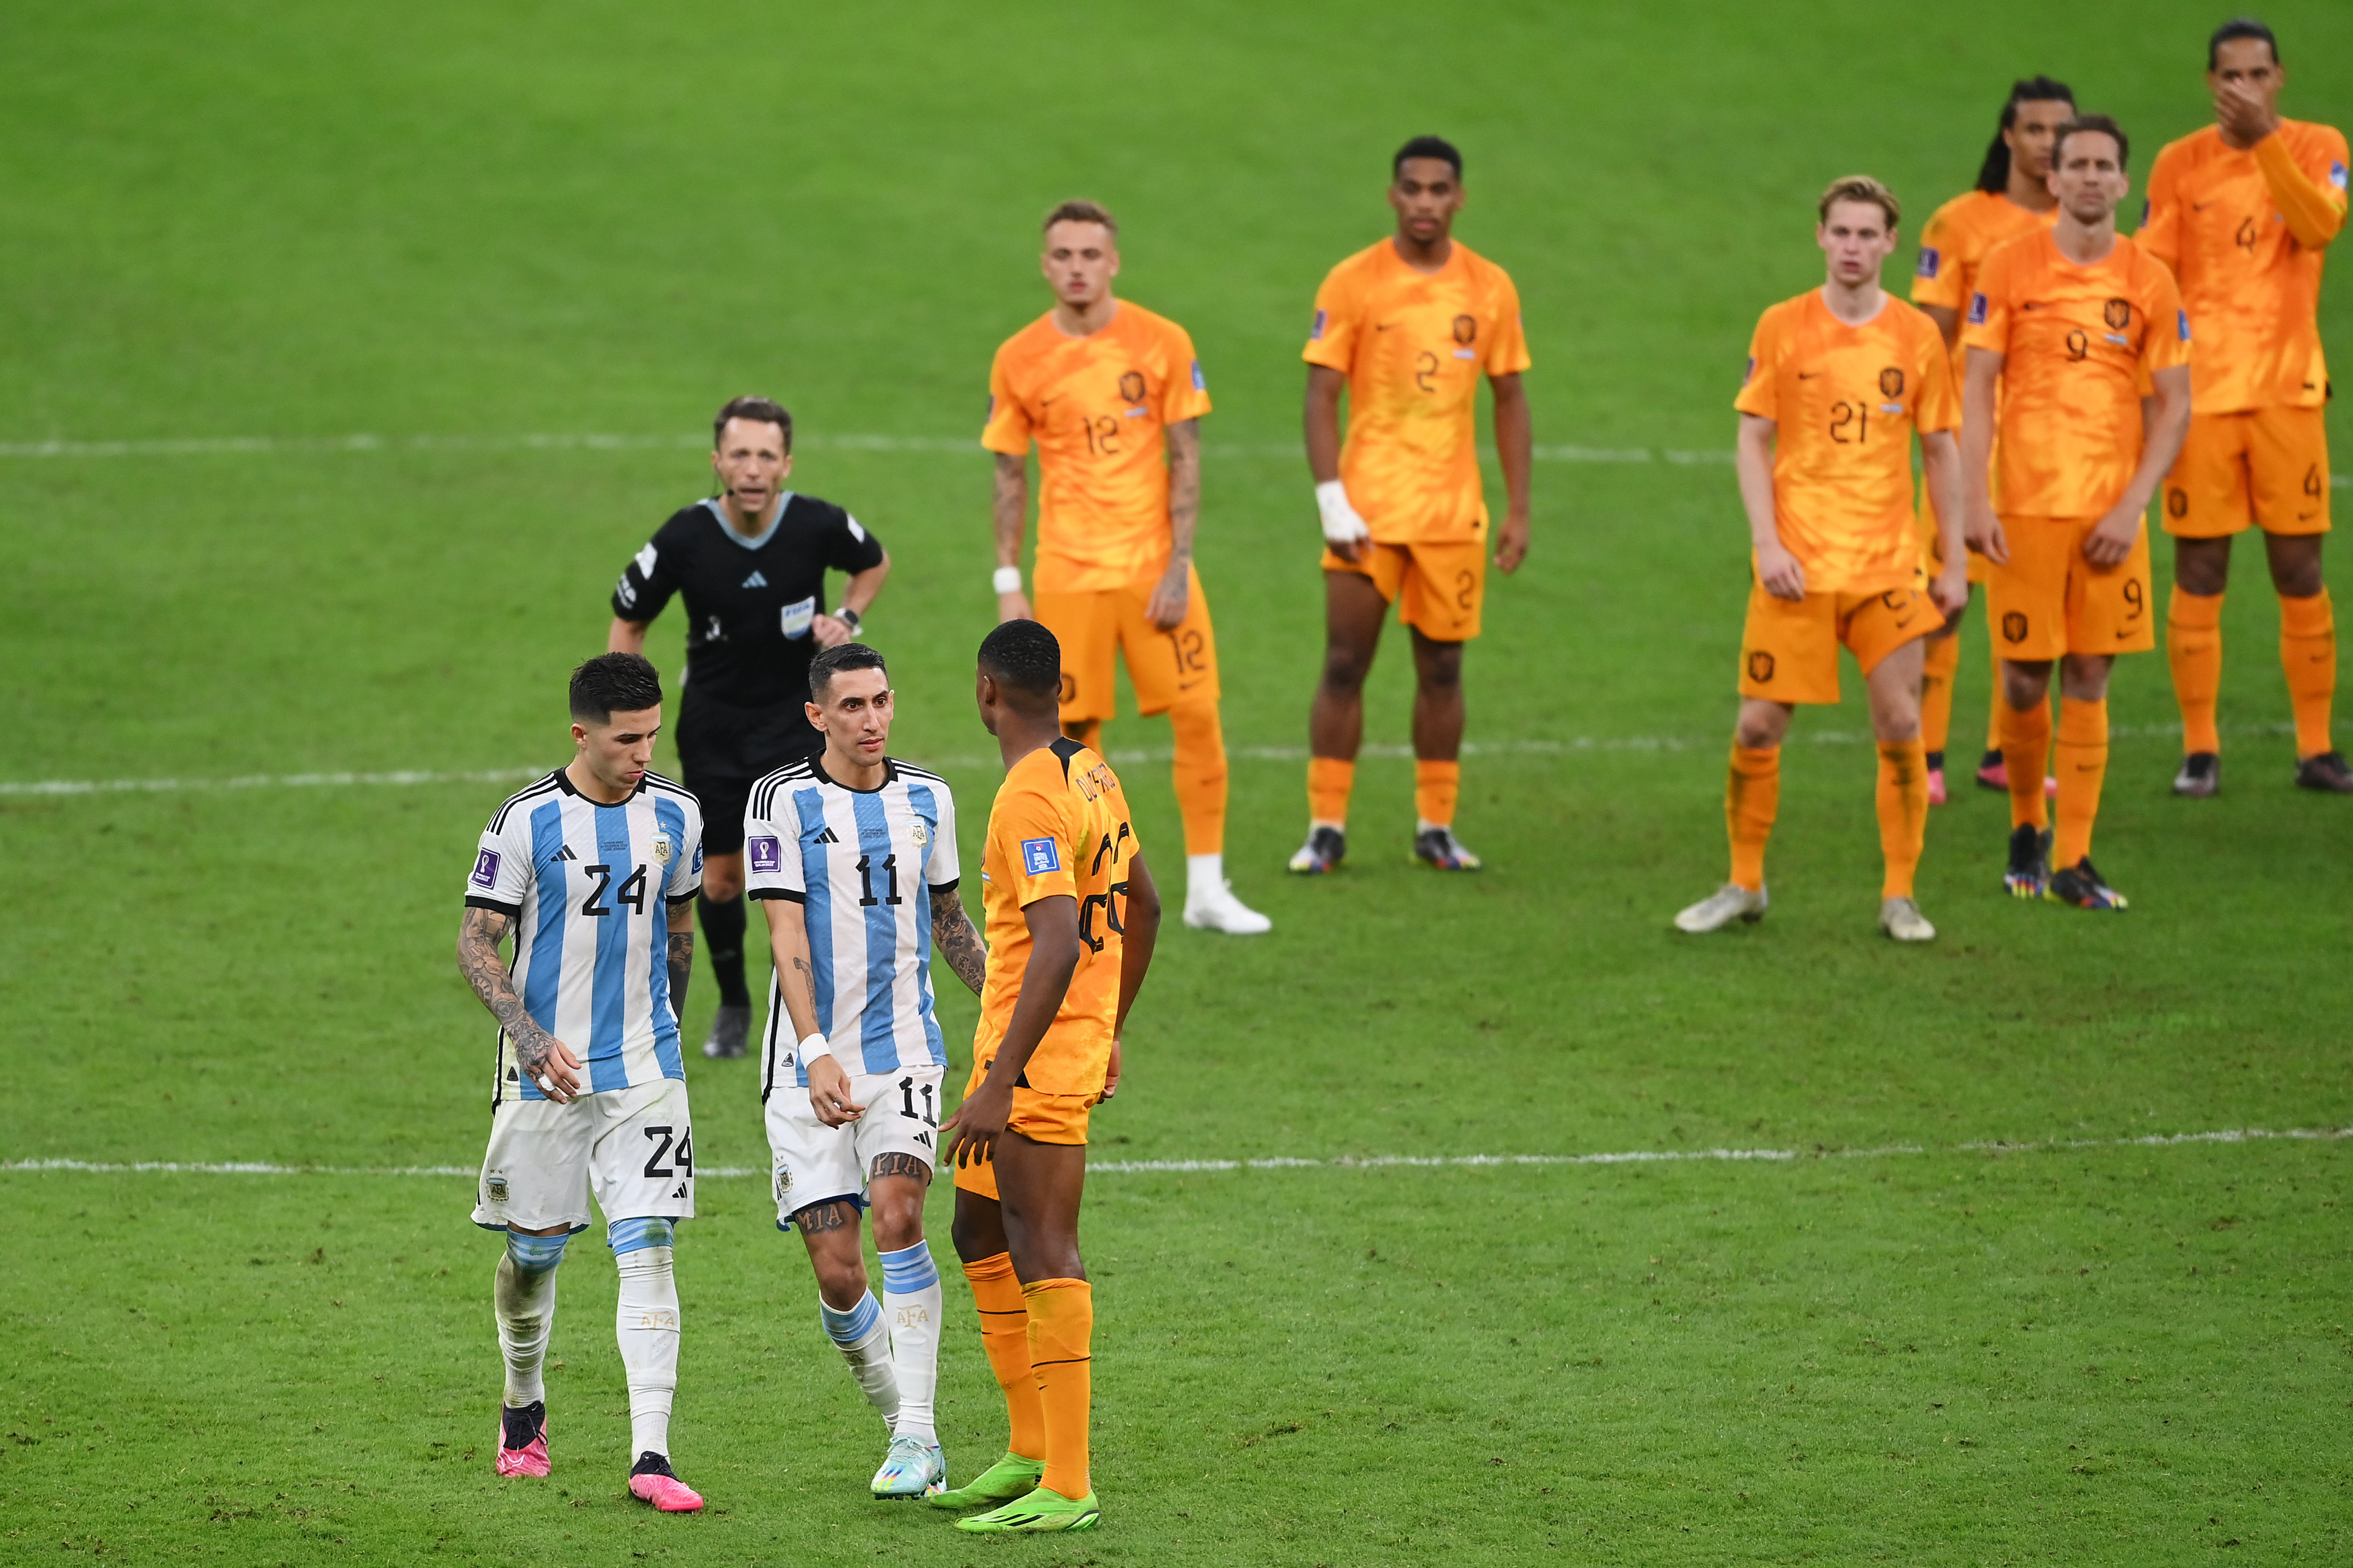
point(816, 1164)
point(632, 1148)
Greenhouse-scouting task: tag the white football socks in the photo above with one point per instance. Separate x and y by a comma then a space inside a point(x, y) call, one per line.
point(645, 1324)
point(523, 1300)
point(911, 1305)
point(865, 1342)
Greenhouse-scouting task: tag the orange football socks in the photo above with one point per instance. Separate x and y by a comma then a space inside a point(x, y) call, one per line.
point(1993, 708)
point(2025, 751)
point(1005, 1336)
point(1435, 786)
point(1201, 777)
point(1061, 1336)
point(2083, 767)
point(1903, 812)
point(1752, 798)
point(1939, 664)
point(2193, 645)
point(2308, 653)
point(1329, 780)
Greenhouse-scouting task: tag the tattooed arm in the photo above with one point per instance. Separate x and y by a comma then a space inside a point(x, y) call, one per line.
point(543, 1058)
point(955, 940)
point(828, 1081)
point(682, 954)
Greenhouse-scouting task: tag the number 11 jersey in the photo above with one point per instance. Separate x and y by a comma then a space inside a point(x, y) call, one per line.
point(862, 865)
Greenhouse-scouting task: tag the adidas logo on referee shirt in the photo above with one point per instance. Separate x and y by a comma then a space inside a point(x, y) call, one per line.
point(755, 581)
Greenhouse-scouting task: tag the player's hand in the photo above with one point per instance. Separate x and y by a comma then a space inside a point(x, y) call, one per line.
point(1111, 1073)
point(1511, 544)
point(2112, 539)
point(829, 632)
point(2243, 113)
point(969, 1137)
point(1982, 533)
point(1171, 598)
point(1949, 590)
point(1344, 530)
point(549, 1063)
point(829, 1093)
point(1779, 570)
point(1013, 607)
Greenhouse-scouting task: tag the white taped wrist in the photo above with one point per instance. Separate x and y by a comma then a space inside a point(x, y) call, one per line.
point(1341, 523)
point(814, 1047)
point(1007, 580)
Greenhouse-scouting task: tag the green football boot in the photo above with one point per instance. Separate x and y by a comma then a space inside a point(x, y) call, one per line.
point(1010, 1478)
point(1041, 1510)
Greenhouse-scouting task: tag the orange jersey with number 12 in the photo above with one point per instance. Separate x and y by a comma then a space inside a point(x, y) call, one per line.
point(1413, 346)
point(1099, 408)
point(2081, 344)
point(1060, 827)
point(1844, 402)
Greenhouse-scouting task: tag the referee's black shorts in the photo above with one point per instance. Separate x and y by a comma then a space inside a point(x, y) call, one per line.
point(723, 750)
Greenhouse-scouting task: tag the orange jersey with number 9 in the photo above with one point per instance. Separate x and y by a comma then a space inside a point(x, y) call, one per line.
point(1844, 402)
point(1413, 346)
point(1060, 827)
point(1099, 408)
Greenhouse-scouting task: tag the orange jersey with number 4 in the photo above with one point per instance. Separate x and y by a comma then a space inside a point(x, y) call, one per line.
point(1844, 402)
point(1413, 346)
point(2080, 343)
point(1099, 408)
point(2217, 216)
point(1060, 828)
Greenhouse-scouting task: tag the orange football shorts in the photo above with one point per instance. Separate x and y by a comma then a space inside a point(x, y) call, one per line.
point(2048, 600)
point(1443, 584)
point(1788, 649)
point(1038, 1115)
point(1166, 667)
point(2266, 466)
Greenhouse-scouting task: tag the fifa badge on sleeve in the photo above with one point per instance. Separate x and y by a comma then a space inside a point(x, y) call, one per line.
point(795, 617)
point(486, 869)
point(1039, 856)
point(767, 855)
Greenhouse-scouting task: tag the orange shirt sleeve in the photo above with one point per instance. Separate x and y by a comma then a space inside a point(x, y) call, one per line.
point(2310, 192)
point(1332, 337)
point(1936, 279)
point(1938, 407)
point(1508, 354)
point(1009, 428)
point(2167, 343)
point(1033, 829)
point(2161, 213)
point(1758, 389)
point(1184, 391)
point(1987, 325)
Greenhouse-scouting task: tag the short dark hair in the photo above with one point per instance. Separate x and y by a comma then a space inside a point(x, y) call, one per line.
point(2099, 122)
point(1080, 212)
point(1426, 147)
point(766, 410)
point(839, 660)
point(2235, 28)
point(613, 683)
point(1024, 657)
point(1993, 175)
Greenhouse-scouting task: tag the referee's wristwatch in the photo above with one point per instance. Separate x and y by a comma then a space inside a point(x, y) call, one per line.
point(848, 617)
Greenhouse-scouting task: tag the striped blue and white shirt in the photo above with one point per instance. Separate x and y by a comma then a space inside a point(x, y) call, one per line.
point(588, 888)
point(862, 865)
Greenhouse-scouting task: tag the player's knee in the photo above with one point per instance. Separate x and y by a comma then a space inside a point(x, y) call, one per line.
point(2201, 566)
point(536, 1255)
point(2296, 571)
point(1343, 670)
point(628, 1235)
point(972, 1238)
point(723, 883)
point(840, 1280)
point(1440, 667)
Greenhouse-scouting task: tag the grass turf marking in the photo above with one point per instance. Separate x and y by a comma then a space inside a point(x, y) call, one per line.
point(1287, 1162)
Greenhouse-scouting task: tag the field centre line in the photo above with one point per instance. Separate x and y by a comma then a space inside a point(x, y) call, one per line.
point(1123, 757)
point(1284, 1163)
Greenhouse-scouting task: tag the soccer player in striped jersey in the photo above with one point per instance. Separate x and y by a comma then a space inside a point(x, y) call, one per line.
point(852, 856)
point(595, 869)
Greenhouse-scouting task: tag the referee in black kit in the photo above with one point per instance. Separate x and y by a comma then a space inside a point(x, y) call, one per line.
point(751, 562)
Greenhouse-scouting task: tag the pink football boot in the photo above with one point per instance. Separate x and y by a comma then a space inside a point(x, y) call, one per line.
point(652, 1481)
point(527, 1457)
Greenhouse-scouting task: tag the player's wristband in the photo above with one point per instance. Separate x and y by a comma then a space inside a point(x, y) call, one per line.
point(1341, 523)
point(816, 1045)
point(1007, 580)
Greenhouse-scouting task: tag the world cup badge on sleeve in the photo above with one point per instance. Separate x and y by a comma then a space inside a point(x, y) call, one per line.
point(486, 869)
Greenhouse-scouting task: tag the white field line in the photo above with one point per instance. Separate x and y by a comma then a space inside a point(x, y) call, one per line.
point(1287, 1162)
point(1123, 757)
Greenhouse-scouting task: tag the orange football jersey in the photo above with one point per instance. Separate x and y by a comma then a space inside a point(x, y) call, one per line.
point(1844, 402)
point(1059, 828)
point(2253, 288)
point(1953, 245)
point(1413, 346)
point(1099, 408)
point(2081, 344)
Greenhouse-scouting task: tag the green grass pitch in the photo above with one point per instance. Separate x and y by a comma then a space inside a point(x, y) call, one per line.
point(448, 228)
